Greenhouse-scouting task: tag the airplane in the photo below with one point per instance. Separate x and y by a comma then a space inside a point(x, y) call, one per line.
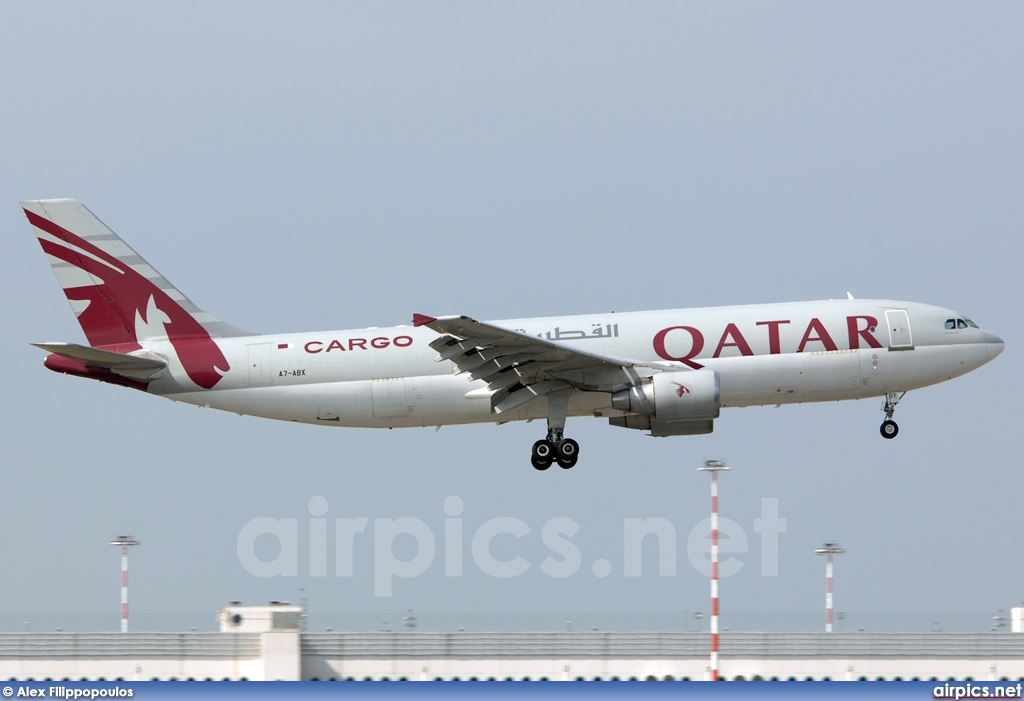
point(667, 372)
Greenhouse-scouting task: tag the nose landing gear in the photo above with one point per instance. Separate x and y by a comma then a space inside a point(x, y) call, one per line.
point(889, 429)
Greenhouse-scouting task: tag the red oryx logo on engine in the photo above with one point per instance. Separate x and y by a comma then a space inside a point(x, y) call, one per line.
point(682, 389)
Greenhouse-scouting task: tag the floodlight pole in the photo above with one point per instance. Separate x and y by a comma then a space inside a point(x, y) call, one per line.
point(830, 550)
point(124, 541)
point(714, 467)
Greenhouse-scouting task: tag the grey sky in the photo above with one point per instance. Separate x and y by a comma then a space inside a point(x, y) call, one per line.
point(335, 165)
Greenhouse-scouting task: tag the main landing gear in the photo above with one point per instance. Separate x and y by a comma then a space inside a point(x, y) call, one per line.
point(889, 429)
point(556, 447)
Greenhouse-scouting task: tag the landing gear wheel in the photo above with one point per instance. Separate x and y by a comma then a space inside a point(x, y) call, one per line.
point(889, 429)
point(543, 455)
point(567, 452)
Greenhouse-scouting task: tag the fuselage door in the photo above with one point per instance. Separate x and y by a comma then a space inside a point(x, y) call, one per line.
point(899, 330)
point(388, 397)
point(259, 364)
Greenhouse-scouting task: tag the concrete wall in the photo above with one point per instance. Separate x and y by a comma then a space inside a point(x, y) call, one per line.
point(289, 655)
point(567, 656)
point(132, 656)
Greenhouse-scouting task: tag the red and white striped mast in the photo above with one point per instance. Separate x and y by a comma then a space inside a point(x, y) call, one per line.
point(714, 467)
point(830, 550)
point(124, 541)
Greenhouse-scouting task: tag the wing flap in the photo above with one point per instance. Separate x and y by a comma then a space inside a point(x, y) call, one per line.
point(504, 380)
point(524, 395)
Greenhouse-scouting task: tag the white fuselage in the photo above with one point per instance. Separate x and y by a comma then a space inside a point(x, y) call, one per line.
point(764, 354)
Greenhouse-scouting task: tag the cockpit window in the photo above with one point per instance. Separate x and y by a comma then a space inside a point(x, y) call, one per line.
point(954, 324)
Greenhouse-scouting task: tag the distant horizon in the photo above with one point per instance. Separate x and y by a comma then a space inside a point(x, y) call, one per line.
point(447, 622)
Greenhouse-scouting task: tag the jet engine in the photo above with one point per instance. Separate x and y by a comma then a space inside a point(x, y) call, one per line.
point(671, 403)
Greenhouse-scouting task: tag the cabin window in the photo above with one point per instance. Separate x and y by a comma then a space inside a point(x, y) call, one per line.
point(971, 323)
point(950, 323)
point(961, 324)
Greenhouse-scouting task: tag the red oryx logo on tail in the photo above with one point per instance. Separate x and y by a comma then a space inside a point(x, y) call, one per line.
point(116, 304)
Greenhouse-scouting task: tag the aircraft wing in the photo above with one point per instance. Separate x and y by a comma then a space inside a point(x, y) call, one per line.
point(518, 367)
point(144, 367)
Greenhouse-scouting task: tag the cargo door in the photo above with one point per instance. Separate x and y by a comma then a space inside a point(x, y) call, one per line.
point(259, 364)
point(834, 371)
point(388, 398)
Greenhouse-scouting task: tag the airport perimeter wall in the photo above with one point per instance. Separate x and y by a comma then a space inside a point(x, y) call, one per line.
point(293, 655)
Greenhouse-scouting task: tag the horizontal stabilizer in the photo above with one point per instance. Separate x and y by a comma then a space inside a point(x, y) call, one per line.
point(142, 366)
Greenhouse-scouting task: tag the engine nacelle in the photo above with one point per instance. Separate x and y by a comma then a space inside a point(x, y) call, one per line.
point(689, 395)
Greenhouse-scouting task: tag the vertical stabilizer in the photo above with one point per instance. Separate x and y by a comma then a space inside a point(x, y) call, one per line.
point(119, 299)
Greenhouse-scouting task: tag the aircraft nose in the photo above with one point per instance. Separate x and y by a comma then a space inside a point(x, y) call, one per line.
point(995, 344)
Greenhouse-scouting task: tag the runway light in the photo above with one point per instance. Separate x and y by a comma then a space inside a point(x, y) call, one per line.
point(830, 549)
point(714, 467)
point(125, 541)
